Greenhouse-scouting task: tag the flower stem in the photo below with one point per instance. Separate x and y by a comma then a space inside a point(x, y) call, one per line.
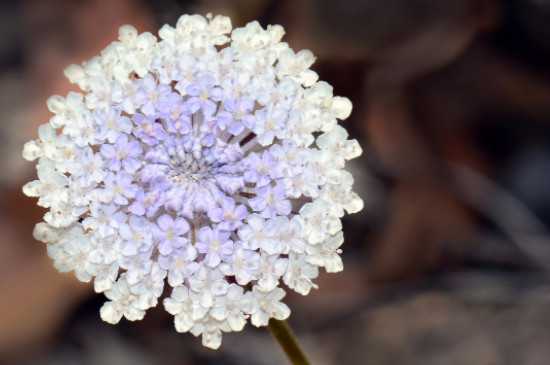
point(284, 336)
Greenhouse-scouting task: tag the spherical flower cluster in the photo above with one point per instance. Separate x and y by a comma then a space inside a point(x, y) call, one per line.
point(210, 160)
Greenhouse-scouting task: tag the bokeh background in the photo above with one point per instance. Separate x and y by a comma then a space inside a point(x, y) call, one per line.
point(448, 262)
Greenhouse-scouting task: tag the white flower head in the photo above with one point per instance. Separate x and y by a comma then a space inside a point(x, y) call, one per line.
point(209, 161)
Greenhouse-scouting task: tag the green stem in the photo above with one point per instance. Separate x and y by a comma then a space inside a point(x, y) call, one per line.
point(284, 336)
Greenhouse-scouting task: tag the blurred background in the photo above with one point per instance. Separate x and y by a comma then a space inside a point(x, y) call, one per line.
point(448, 262)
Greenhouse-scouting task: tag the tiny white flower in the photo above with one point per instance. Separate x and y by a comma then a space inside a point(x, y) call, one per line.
point(336, 141)
point(184, 305)
point(208, 283)
point(150, 287)
point(48, 184)
point(327, 254)
point(122, 303)
point(319, 224)
point(299, 274)
point(211, 330)
point(268, 305)
point(105, 277)
point(296, 65)
point(233, 307)
point(271, 269)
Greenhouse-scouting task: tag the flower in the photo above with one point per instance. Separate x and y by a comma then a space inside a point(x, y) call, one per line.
point(210, 162)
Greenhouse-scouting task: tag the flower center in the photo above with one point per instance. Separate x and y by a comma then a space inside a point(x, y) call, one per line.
point(189, 169)
point(194, 172)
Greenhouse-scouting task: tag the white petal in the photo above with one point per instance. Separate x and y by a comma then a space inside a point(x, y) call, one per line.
point(110, 314)
point(212, 339)
point(183, 323)
point(33, 188)
point(172, 306)
point(32, 150)
point(341, 107)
